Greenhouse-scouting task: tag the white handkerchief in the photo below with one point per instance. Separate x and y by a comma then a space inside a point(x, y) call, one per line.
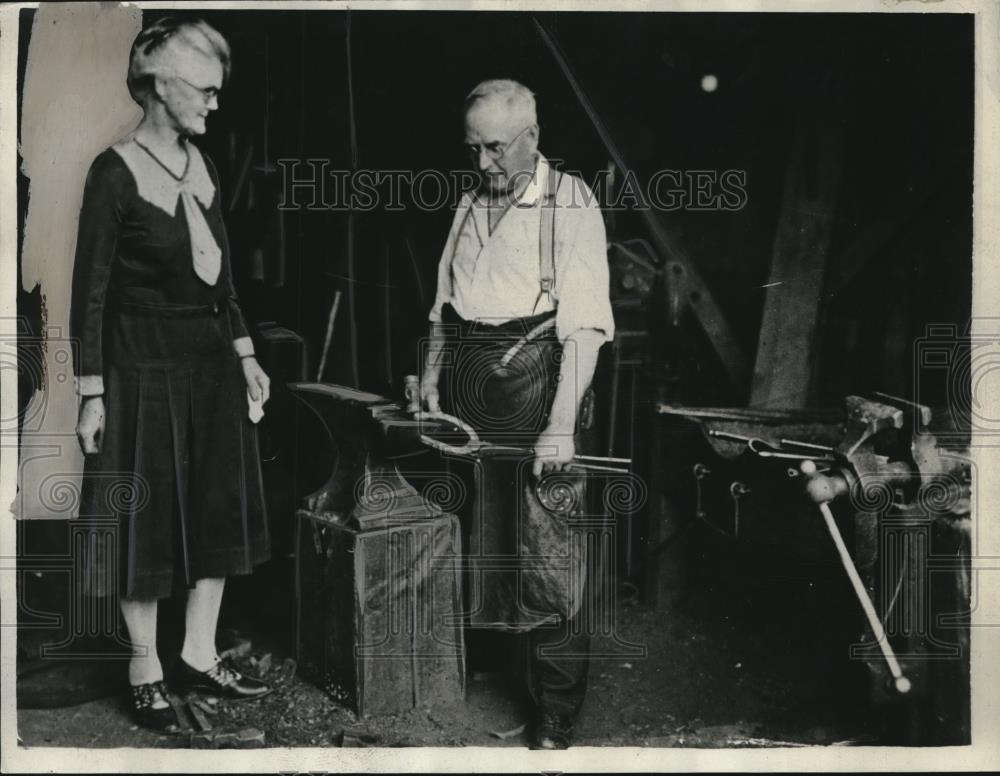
point(256, 408)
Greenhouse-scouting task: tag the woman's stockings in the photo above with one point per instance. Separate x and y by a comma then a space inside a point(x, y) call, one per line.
point(140, 619)
point(201, 620)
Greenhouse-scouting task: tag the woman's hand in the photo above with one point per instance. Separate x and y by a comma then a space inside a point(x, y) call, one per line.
point(258, 383)
point(90, 426)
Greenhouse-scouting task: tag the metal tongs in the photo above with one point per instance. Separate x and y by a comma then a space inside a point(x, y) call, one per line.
point(475, 445)
point(791, 449)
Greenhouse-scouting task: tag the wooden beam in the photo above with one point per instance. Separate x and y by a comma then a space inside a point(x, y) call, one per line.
point(697, 293)
point(686, 286)
point(785, 348)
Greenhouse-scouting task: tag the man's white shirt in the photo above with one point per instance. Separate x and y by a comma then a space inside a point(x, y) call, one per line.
point(494, 278)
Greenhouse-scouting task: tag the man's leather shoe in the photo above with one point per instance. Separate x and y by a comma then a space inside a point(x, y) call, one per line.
point(221, 680)
point(553, 731)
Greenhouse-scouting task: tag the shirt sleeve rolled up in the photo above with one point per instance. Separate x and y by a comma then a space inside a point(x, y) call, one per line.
point(443, 293)
point(582, 278)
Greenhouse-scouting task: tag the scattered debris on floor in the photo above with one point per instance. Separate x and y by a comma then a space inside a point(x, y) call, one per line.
point(733, 691)
point(505, 734)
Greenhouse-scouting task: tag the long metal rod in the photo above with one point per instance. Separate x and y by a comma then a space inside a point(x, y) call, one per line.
point(753, 414)
point(329, 336)
point(581, 461)
point(602, 459)
point(728, 436)
point(590, 467)
point(902, 683)
point(810, 445)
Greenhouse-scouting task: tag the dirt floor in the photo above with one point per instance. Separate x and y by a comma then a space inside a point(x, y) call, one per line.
point(748, 664)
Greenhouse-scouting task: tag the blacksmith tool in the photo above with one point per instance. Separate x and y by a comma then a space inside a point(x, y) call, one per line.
point(764, 449)
point(823, 489)
point(861, 464)
point(474, 445)
point(329, 335)
point(807, 445)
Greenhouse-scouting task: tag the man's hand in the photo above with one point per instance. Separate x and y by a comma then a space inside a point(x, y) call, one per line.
point(258, 383)
point(90, 427)
point(429, 396)
point(553, 450)
point(429, 393)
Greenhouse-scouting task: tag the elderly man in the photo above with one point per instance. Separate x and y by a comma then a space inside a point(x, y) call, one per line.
point(522, 310)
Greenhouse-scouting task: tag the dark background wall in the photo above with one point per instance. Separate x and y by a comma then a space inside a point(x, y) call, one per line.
point(903, 86)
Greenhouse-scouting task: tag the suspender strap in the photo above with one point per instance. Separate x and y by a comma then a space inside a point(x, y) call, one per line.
point(546, 238)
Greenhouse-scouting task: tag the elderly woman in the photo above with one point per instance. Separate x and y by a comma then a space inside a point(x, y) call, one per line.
point(167, 375)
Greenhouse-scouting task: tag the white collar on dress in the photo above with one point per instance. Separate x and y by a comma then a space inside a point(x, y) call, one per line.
point(158, 187)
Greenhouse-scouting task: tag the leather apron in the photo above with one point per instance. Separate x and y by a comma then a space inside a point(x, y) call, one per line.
point(526, 559)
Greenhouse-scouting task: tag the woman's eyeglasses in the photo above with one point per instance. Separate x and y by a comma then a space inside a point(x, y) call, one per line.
point(209, 93)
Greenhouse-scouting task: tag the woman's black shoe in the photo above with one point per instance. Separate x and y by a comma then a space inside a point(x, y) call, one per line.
point(145, 713)
point(221, 680)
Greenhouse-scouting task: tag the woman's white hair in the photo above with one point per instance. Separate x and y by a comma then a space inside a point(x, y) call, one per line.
point(157, 46)
point(516, 97)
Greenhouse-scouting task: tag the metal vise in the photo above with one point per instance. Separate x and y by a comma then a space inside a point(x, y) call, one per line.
point(906, 500)
point(889, 454)
point(911, 503)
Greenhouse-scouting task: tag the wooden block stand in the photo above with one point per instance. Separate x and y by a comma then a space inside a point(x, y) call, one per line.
point(378, 609)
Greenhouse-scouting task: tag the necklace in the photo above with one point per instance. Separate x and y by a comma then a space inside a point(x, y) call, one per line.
point(171, 173)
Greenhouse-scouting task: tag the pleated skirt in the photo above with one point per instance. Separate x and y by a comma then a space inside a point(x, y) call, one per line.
point(176, 492)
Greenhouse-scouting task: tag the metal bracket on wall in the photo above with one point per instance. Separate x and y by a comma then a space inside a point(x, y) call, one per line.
point(737, 490)
point(700, 472)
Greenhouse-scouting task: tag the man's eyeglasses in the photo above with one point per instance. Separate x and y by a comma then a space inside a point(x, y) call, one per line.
point(208, 93)
point(495, 150)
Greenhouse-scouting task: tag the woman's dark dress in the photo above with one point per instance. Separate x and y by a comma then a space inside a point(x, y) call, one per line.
point(175, 493)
